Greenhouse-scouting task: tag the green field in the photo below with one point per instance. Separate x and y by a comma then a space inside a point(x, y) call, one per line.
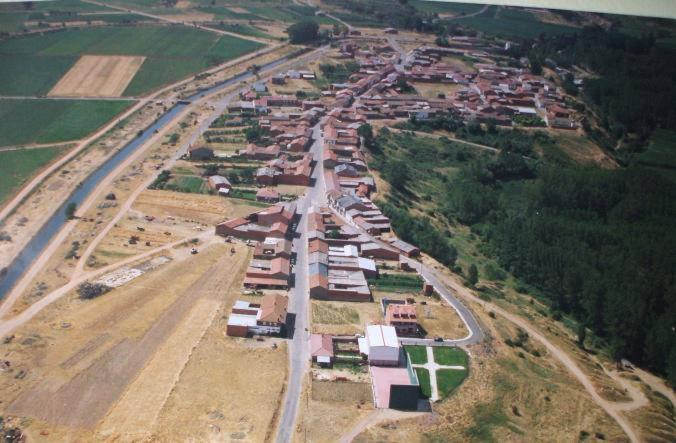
point(418, 354)
point(14, 15)
point(51, 121)
point(661, 151)
point(424, 380)
point(17, 166)
point(450, 356)
point(31, 65)
point(239, 28)
point(513, 23)
point(444, 8)
point(397, 282)
point(187, 183)
point(448, 380)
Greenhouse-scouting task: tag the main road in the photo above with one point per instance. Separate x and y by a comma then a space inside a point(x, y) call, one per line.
point(299, 346)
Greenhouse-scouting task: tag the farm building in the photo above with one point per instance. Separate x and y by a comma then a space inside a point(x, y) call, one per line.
point(381, 345)
point(219, 183)
point(406, 248)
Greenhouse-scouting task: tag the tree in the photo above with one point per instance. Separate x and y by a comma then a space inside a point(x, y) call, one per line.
point(581, 334)
point(473, 275)
point(305, 31)
point(70, 210)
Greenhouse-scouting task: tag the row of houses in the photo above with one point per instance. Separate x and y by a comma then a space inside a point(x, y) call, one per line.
point(336, 270)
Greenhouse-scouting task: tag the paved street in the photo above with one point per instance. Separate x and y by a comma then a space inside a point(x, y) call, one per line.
point(299, 347)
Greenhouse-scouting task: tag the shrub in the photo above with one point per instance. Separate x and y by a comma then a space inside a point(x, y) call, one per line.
point(88, 290)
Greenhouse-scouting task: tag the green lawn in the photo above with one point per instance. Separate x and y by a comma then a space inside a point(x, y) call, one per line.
point(51, 121)
point(17, 166)
point(448, 380)
point(33, 64)
point(397, 282)
point(187, 183)
point(424, 380)
point(244, 194)
point(450, 356)
point(418, 354)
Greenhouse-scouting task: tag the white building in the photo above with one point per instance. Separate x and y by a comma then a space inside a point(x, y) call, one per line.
point(381, 345)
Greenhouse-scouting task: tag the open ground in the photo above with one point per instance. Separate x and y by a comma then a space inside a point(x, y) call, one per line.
point(98, 76)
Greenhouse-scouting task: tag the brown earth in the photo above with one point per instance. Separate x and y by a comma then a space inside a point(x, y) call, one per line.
point(113, 341)
point(98, 76)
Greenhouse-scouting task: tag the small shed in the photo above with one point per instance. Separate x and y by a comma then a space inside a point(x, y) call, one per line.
point(219, 182)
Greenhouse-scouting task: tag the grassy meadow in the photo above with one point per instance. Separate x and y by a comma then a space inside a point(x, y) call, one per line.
point(52, 121)
point(17, 166)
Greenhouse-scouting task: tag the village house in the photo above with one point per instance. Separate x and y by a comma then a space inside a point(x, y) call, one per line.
point(322, 350)
point(401, 316)
point(266, 318)
point(270, 222)
point(268, 195)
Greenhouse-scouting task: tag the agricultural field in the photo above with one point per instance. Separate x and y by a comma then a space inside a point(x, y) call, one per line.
point(509, 22)
point(444, 9)
point(98, 76)
point(243, 29)
point(51, 121)
point(32, 65)
point(17, 166)
point(20, 16)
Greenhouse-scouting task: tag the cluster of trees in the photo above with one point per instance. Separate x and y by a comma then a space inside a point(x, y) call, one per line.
point(254, 133)
point(421, 232)
point(88, 290)
point(396, 14)
point(338, 73)
point(306, 31)
point(598, 243)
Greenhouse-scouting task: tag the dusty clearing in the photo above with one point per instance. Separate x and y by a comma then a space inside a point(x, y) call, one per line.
point(84, 354)
point(331, 408)
point(98, 76)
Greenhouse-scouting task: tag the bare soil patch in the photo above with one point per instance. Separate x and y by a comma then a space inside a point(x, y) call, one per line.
point(98, 76)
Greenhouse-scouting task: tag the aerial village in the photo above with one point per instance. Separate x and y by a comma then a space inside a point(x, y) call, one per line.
point(348, 245)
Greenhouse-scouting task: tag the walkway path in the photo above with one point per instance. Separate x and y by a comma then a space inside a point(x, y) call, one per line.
point(432, 368)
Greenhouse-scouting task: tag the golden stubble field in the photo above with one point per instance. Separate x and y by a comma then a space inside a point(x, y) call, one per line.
point(98, 76)
point(147, 360)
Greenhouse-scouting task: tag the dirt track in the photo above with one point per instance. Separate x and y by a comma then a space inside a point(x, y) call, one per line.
point(98, 76)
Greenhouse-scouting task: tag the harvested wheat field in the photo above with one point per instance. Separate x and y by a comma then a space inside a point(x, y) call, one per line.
point(98, 76)
point(85, 361)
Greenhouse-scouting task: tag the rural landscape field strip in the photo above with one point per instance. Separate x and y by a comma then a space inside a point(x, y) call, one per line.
point(51, 121)
point(32, 65)
point(18, 165)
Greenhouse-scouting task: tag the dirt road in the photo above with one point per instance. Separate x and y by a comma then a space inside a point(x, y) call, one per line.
point(613, 409)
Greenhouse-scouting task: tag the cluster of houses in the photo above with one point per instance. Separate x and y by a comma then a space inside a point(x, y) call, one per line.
point(336, 269)
point(270, 267)
point(494, 93)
